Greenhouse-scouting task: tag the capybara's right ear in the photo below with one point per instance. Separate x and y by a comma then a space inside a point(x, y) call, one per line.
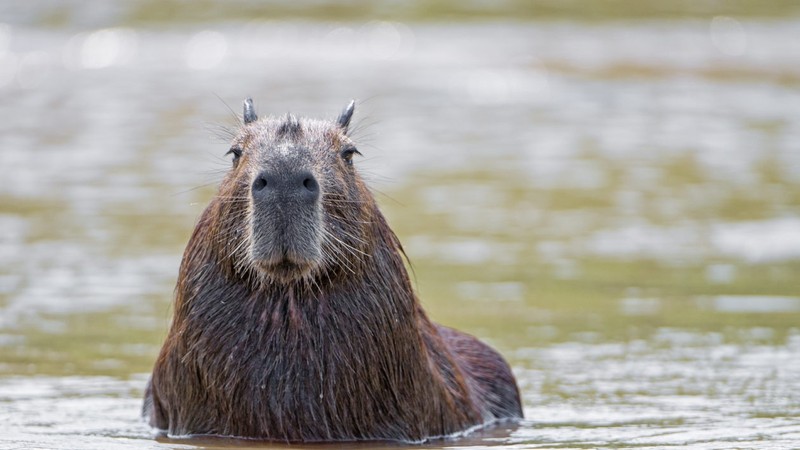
point(249, 111)
point(346, 115)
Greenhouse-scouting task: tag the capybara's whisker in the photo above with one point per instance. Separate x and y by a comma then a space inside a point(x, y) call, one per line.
point(354, 237)
point(353, 221)
point(237, 248)
point(341, 202)
point(343, 244)
point(334, 254)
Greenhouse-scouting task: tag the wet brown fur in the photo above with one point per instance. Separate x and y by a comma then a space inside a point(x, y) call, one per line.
point(342, 351)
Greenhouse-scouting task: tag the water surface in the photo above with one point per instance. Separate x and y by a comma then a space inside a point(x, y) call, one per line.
point(614, 205)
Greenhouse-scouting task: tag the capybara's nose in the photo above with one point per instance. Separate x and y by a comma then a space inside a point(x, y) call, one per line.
point(300, 185)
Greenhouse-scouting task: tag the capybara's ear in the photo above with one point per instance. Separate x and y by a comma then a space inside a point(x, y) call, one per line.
point(249, 111)
point(346, 115)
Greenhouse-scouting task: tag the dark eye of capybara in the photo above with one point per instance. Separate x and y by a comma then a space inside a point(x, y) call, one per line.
point(236, 151)
point(347, 154)
point(294, 315)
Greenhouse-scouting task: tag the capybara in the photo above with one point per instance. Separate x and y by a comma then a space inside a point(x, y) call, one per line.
point(294, 315)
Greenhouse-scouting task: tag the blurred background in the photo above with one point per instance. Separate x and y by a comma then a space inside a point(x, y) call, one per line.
point(607, 191)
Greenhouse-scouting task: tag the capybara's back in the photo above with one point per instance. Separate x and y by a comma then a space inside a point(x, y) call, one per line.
point(294, 316)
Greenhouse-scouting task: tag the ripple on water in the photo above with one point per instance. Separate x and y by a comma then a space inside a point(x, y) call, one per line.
point(646, 394)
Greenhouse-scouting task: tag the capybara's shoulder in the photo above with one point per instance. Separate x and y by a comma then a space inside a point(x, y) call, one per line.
point(496, 387)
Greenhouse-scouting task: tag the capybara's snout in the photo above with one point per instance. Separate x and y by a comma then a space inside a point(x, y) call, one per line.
point(272, 188)
point(286, 218)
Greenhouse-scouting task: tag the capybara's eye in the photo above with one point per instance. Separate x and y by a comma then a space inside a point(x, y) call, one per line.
point(347, 154)
point(236, 151)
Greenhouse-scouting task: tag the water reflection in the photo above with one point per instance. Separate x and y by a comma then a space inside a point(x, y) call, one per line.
point(206, 50)
point(743, 304)
point(100, 49)
point(728, 35)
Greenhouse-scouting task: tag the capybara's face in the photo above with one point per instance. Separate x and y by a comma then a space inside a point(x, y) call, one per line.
point(296, 206)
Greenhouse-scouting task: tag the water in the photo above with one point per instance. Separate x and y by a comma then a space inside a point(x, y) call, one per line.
point(614, 205)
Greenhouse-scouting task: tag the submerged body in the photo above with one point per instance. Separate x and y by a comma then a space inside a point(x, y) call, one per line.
point(295, 318)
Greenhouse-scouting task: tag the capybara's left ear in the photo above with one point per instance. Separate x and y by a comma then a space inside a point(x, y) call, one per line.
point(249, 111)
point(346, 115)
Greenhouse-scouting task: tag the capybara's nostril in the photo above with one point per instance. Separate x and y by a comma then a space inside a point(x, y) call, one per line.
point(274, 185)
point(311, 184)
point(307, 186)
point(260, 183)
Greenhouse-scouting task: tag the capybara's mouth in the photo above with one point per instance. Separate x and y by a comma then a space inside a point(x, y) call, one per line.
point(281, 249)
point(285, 269)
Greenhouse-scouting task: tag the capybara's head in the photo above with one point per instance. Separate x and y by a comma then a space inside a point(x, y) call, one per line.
point(293, 206)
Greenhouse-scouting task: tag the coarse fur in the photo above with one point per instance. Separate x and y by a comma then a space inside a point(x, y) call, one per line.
point(294, 315)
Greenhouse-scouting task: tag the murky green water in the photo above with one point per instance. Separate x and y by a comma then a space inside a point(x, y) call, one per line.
point(614, 205)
